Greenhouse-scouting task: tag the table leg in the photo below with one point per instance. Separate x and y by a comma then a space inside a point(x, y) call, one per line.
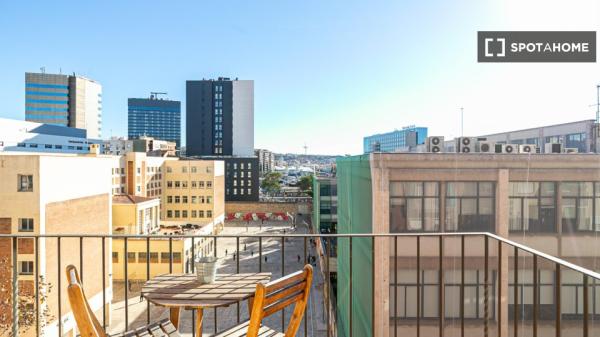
point(174, 316)
point(199, 314)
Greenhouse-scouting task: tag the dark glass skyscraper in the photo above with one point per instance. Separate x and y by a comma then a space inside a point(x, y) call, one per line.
point(157, 118)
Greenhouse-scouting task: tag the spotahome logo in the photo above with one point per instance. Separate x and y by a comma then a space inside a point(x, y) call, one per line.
point(536, 46)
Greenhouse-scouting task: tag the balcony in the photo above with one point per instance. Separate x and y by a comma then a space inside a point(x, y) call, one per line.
point(377, 285)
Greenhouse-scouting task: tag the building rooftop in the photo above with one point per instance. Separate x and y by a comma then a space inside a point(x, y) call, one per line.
point(130, 199)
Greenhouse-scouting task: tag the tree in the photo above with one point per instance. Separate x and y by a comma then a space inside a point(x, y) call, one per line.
point(270, 182)
point(306, 183)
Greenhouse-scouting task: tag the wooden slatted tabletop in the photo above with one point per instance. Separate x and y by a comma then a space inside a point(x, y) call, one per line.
point(177, 291)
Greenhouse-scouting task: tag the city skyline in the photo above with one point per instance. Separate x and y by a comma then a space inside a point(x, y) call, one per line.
point(357, 69)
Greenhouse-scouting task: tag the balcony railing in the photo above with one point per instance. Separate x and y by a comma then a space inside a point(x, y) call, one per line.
point(479, 295)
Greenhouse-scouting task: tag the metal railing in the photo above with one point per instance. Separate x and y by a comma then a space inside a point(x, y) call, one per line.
point(492, 313)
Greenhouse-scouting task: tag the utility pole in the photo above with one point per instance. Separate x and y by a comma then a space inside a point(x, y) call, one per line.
point(462, 122)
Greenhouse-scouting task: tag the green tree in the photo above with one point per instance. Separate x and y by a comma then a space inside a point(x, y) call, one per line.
point(306, 183)
point(270, 182)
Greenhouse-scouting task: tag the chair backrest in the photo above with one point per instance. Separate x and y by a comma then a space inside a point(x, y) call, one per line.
point(276, 295)
point(87, 323)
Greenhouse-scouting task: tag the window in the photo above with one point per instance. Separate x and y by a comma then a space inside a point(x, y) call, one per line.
point(470, 206)
point(153, 257)
point(139, 170)
point(576, 140)
point(177, 184)
point(194, 199)
point(201, 214)
point(201, 184)
point(532, 207)
point(130, 257)
point(209, 184)
point(176, 257)
point(208, 169)
point(194, 184)
point(177, 214)
point(25, 225)
point(184, 184)
point(25, 183)
point(177, 199)
point(249, 191)
point(26, 268)
point(194, 214)
point(169, 214)
point(142, 257)
point(184, 214)
point(184, 169)
point(169, 184)
point(169, 169)
point(115, 257)
point(165, 257)
point(208, 199)
point(184, 199)
point(209, 214)
point(201, 199)
point(414, 206)
point(169, 199)
point(580, 206)
point(249, 166)
point(194, 169)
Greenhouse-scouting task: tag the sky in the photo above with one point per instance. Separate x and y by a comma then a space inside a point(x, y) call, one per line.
point(327, 73)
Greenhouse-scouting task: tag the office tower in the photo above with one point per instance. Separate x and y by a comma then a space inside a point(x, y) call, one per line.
point(153, 117)
point(220, 117)
point(220, 125)
point(405, 140)
point(67, 100)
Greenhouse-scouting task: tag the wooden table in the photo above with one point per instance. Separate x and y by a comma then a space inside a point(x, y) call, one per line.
point(177, 291)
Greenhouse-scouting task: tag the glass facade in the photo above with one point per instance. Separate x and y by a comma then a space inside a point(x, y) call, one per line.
point(160, 119)
point(580, 202)
point(392, 141)
point(47, 99)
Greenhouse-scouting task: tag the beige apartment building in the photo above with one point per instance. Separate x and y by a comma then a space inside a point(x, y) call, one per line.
point(545, 201)
point(53, 194)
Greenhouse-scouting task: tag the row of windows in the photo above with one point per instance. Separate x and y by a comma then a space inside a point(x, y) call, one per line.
point(200, 199)
point(193, 184)
point(193, 169)
point(470, 206)
point(55, 146)
point(184, 214)
point(249, 182)
point(142, 257)
point(46, 93)
point(241, 191)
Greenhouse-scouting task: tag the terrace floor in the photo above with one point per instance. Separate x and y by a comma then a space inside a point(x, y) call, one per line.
point(226, 317)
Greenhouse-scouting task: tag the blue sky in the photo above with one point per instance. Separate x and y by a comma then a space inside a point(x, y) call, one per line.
point(326, 73)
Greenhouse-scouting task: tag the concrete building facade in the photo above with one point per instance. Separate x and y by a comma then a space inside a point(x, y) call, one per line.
point(40, 197)
point(266, 161)
point(66, 100)
point(23, 136)
point(546, 202)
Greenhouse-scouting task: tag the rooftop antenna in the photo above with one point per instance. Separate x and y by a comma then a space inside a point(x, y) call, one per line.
point(305, 149)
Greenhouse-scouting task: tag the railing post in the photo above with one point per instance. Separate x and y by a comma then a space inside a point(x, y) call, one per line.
point(486, 286)
point(462, 285)
point(37, 286)
point(15, 289)
point(516, 293)
point(104, 282)
point(59, 286)
point(125, 258)
point(499, 284)
point(557, 289)
point(351, 292)
point(586, 307)
point(418, 286)
point(441, 304)
point(148, 275)
point(536, 288)
point(396, 286)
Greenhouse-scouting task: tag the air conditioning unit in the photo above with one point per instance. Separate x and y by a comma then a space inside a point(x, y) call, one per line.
point(487, 147)
point(510, 148)
point(571, 150)
point(553, 148)
point(465, 144)
point(527, 148)
point(435, 144)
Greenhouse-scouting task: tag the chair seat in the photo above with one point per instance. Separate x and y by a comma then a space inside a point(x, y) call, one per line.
point(242, 329)
point(162, 328)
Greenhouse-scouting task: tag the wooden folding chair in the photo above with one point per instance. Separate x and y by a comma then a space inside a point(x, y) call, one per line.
point(272, 297)
point(88, 324)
